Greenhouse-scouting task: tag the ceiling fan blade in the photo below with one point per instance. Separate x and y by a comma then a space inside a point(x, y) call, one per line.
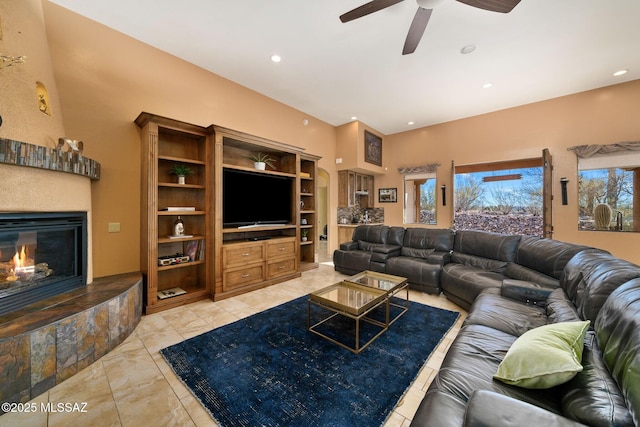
point(416, 30)
point(502, 6)
point(366, 9)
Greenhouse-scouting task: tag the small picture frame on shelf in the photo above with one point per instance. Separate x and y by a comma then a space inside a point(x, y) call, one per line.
point(387, 195)
point(372, 148)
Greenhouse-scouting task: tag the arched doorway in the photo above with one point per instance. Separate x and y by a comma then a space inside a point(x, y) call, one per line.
point(323, 215)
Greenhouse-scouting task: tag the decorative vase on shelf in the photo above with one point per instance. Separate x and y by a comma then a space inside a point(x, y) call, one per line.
point(260, 165)
point(178, 227)
point(181, 179)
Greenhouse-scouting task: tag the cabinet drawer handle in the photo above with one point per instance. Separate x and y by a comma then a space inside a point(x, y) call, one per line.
point(246, 275)
point(246, 254)
point(281, 267)
point(283, 249)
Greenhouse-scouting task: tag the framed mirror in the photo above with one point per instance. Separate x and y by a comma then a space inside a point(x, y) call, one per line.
point(609, 192)
point(420, 198)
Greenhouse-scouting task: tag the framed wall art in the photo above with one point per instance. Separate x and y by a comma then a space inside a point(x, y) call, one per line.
point(372, 148)
point(387, 195)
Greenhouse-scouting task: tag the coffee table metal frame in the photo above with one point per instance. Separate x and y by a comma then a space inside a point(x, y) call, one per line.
point(361, 301)
point(393, 285)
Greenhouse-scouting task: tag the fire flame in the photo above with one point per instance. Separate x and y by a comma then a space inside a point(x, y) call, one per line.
point(21, 262)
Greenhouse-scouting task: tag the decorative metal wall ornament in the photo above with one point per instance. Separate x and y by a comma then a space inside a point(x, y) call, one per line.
point(430, 168)
point(8, 61)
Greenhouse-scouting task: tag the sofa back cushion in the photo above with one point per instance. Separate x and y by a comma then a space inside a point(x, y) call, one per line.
point(501, 247)
point(591, 276)
point(415, 252)
point(592, 397)
point(371, 233)
point(560, 308)
point(618, 331)
point(483, 263)
point(428, 238)
point(545, 255)
point(395, 236)
point(519, 272)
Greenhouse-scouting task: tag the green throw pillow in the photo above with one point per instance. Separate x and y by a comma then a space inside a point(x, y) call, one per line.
point(544, 357)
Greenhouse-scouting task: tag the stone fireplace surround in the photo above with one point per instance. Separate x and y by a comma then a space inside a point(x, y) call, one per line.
point(48, 342)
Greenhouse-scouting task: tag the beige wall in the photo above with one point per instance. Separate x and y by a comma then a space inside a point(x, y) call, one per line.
point(600, 116)
point(351, 149)
point(106, 79)
point(23, 34)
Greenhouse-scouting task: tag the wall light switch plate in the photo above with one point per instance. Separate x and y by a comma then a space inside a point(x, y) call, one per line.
point(114, 227)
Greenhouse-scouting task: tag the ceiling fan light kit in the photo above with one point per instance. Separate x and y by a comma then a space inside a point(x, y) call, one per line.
point(423, 14)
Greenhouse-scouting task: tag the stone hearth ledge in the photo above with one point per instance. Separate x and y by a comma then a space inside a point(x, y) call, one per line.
point(47, 342)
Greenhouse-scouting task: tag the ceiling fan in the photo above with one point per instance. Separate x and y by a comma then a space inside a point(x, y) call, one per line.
point(421, 19)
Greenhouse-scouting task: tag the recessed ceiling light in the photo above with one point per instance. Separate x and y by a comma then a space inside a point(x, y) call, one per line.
point(487, 85)
point(620, 72)
point(468, 49)
point(410, 123)
point(276, 58)
point(354, 118)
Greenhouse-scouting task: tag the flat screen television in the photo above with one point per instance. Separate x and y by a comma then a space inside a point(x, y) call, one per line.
point(250, 198)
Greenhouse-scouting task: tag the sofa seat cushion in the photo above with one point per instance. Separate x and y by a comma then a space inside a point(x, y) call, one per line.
point(505, 315)
point(487, 408)
point(470, 363)
point(418, 271)
point(592, 396)
point(466, 282)
point(544, 357)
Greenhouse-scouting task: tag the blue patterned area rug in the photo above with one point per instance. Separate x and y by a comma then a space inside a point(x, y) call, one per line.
point(268, 370)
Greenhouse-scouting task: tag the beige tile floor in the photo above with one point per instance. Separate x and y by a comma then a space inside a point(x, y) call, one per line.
point(134, 386)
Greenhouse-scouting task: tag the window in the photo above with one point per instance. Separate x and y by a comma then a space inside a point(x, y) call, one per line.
point(504, 197)
point(420, 198)
point(608, 181)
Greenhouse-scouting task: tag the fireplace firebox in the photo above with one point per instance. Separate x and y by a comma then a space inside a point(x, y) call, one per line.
point(42, 254)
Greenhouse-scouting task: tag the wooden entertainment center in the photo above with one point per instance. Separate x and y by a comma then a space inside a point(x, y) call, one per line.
point(223, 261)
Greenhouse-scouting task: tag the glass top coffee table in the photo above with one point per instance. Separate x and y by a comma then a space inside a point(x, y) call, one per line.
point(358, 298)
point(350, 300)
point(392, 285)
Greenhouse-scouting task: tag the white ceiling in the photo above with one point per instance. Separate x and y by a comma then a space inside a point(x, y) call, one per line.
point(333, 71)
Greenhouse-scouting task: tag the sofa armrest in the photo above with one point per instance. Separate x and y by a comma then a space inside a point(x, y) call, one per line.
point(393, 250)
point(381, 253)
point(349, 246)
point(487, 408)
point(439, 257)
point(526, 292)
